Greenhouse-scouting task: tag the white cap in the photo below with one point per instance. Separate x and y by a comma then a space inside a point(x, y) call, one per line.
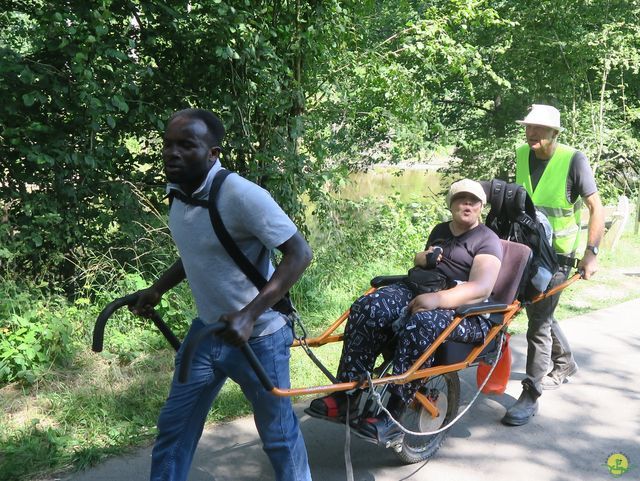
point(467, 186)
point(544, 115)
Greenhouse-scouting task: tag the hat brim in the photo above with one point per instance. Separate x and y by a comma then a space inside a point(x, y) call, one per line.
point(554, 127)
point(465, 192)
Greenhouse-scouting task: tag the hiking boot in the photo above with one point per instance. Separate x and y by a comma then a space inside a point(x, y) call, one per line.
point(525, 407)
point(557, 377)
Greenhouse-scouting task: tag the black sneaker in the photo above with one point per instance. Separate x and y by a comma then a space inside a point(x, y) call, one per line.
point(381, 430)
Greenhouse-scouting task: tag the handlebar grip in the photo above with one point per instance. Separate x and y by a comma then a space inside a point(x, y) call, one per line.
point(192, 344)
point(103, 317)
point(107, 312)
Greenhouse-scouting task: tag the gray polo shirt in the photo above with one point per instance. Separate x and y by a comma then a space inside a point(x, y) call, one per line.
point(256, 223)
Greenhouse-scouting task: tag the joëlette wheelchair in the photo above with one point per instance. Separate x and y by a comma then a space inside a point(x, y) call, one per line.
point(437, 402)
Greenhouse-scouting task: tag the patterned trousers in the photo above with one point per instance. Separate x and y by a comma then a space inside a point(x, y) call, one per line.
point(369, 330)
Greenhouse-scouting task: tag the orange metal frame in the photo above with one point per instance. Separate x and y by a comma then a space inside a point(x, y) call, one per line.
point(414, 372)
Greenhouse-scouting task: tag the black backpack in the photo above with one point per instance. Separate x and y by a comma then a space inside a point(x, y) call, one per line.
point(514, 217)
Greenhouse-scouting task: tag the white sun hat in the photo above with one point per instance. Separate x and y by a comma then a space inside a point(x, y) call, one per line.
point(544, 115)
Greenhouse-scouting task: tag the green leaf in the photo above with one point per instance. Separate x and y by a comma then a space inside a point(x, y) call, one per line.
point(120, 103)
point(37, 239)
point(29, 99)
point(26, 76)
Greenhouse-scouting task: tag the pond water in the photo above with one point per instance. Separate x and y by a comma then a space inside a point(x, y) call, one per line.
point(408, 184)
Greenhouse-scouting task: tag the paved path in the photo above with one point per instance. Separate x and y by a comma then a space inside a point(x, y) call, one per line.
point(579, 426)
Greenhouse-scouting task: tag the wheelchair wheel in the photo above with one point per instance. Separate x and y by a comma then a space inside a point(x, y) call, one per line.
point(444, 392)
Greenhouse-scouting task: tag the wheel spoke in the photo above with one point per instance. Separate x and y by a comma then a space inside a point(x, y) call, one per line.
point(444, 392)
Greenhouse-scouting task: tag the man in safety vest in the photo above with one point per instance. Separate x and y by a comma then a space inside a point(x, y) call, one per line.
point(559, 179)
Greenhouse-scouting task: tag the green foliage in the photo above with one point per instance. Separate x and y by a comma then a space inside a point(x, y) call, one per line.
point(71, 97)
point(35, 334)
point(582, 58)
point(31, 451)
point(308, 90)
point(357, 241)
point(404, 81)
point(40, 330)
point(81, 117)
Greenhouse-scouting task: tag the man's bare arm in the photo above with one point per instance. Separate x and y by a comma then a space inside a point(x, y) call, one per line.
point(595, 231)
point(149, 297)
point(296, 258)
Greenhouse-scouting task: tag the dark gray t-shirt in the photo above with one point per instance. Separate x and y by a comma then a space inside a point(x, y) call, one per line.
point(580, 181)
point(458, 252)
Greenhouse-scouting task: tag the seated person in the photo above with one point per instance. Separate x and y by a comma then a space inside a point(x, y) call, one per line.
point(471, 256)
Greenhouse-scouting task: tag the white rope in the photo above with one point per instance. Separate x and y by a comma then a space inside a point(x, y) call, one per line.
point(347, 445)
point(378, 399)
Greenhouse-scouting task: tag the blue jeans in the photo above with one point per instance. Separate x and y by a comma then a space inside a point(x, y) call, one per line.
point(183, 415)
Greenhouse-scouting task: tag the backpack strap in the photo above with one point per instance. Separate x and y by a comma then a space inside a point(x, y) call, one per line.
point(497, 195)
point(495, 190)
point(176, 194)
point(510, 206)
point(519, 207)
point(284, 305)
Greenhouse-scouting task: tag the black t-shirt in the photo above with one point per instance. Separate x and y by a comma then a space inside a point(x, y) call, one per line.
point(580, 181)
point(458, 252)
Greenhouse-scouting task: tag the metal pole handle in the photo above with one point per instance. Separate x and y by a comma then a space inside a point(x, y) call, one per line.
point(107, 312)
point(212, 330)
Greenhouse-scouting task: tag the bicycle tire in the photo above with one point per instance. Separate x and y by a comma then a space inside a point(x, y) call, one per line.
point(444, 392)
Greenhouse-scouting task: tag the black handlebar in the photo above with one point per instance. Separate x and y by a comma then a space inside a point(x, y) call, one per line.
point(107, 312)
point(189, 348)
point(212, 330)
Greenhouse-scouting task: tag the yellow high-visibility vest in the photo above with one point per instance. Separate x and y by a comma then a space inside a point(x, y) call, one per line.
point(550, 196)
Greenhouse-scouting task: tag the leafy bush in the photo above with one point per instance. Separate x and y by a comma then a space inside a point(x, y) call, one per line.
point(356, 241)
point(41, 329)
point(35, 334)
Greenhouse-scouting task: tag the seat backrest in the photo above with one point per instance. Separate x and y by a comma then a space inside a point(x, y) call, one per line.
point(515, 259)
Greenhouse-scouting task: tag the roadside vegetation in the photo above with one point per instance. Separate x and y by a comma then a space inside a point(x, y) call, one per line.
point(67, 408)
point(311, 92)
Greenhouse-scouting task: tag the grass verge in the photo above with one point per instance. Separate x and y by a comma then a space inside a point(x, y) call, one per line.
point(615, 282)
point(102, 405)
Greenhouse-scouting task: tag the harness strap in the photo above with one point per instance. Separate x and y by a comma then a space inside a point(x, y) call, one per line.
point(568, 261)
point(284, 305)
